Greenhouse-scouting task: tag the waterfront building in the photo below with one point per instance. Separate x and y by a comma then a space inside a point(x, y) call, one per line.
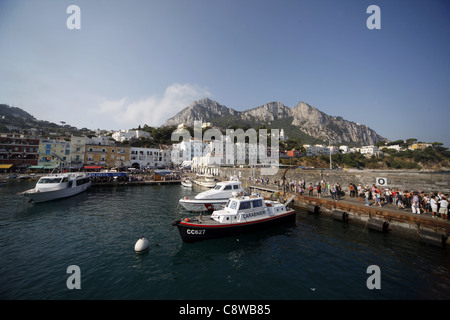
point(144, 158)
point(187, 150)
point(77, 147)
point(106, 156)
point(53, 153)
point(18, 151)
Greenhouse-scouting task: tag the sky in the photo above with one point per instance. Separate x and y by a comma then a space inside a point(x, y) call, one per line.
point(139, 62)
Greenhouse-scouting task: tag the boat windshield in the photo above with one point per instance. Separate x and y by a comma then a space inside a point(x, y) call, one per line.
point(49, 180)
point(217, 187)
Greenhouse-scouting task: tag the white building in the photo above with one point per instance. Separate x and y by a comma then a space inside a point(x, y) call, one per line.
point(187, 150)
point(369, 150)
point(142, 158)
point(101, 140)
point(126, 135)
point(395, 147)
point(344, 149)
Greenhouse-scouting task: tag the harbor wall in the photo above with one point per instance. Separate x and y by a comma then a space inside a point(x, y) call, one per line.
point(404, 180)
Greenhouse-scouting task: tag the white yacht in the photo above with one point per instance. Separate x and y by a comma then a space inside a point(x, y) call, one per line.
point(186, 183)
point(56, 186)
point(214, 198)
point(207, 181)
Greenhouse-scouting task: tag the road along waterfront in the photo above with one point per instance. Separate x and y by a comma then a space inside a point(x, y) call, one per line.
point(315, 258)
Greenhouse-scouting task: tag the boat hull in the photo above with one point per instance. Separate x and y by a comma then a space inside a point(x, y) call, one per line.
point(36, 197)
point(197, 231)
point(186, 184)
point(206, 184)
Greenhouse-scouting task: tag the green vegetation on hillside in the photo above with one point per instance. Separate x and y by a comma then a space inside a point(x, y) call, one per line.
point(434, 157)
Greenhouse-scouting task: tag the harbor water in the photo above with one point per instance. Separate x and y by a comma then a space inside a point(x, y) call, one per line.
point(315, 258)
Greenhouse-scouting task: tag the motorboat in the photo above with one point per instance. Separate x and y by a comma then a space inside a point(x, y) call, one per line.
point(186, 183)
point(214, 198)
point(207, 181)
point(241, 214)
point(56, 186)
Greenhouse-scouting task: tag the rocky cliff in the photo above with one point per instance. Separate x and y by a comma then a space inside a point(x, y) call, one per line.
point(303, 118)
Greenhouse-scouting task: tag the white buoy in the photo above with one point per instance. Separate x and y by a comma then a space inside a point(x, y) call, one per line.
point(141, 245)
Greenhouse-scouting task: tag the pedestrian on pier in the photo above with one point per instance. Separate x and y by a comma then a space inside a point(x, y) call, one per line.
point(310, 190)
point(366, 196)
point(415, 205)
point(377, 197)
point(434, 206)
point(334, 192)
point(443, 209)
point(388, 195)
point(319, 190)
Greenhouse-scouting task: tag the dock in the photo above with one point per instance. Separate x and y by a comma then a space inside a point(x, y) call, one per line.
point(387, 218)
point(135, 183)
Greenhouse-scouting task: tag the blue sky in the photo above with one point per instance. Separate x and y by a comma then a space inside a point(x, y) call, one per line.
point(140, 62)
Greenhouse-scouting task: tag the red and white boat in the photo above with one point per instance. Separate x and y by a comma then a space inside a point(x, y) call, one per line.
point(241, 214)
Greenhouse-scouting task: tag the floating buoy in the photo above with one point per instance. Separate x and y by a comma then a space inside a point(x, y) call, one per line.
point(141, 245)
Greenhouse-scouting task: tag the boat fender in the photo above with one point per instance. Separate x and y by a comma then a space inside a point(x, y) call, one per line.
point(141, 245)
point(187, 220)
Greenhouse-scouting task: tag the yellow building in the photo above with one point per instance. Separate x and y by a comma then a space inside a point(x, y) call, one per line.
point(54, 153)
point(107, 156)
point(419, 146)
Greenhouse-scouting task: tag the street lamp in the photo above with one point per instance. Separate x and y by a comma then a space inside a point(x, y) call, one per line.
point(329, 147)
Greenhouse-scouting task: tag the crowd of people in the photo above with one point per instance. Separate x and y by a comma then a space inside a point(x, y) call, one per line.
point(419, 202)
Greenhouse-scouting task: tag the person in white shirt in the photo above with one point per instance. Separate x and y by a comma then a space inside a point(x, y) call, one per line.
point(443, 209)
point(434, 206)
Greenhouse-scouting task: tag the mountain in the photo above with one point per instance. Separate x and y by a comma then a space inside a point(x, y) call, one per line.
point(302, 121)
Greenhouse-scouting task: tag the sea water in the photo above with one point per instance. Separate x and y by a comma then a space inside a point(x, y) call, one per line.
point(315, 258)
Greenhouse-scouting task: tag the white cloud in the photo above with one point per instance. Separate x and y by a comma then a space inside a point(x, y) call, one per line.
point(154, 110)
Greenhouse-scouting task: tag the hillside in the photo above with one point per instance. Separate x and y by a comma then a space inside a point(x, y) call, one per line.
point(16, 119)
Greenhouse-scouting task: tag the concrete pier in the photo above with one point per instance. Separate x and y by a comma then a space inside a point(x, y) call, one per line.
point(387, 218)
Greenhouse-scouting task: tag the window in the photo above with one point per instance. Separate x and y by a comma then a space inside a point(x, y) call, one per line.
point(233, 204)
point(257, 203)
point(244, 205)
point(227, 188)
point(235, 187)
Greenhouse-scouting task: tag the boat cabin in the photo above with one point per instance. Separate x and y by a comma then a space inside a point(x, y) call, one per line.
point(57, 182)
point(247, 208)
